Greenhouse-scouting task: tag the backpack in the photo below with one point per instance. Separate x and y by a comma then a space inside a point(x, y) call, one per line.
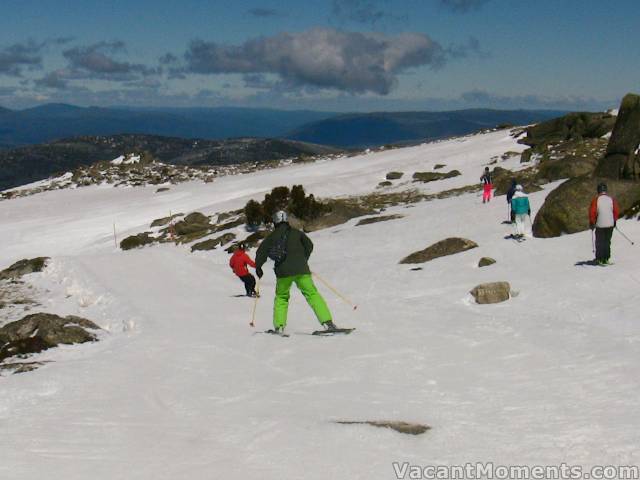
point(278, 251)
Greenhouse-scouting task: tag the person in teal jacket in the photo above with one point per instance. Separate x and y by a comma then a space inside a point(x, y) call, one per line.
point(520, 209)
point(293, 269)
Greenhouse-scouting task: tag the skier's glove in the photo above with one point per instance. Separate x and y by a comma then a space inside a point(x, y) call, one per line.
point(592, 226)
point(259, 272)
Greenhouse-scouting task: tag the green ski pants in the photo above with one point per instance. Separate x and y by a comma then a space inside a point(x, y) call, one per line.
point(306, 286)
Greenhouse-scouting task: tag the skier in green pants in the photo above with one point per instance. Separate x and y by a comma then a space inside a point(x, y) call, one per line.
point(292, 269)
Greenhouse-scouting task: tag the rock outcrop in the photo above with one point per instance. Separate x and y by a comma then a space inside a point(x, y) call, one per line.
point(40, 331)
point(622, 160)
point(23, 267)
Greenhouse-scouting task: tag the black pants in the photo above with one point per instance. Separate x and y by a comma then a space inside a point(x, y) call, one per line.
point(603, 243)
point(249, 283)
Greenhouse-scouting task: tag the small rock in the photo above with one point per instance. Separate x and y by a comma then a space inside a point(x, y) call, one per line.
point(394, 175)
point(486, 261)
point(494, 292)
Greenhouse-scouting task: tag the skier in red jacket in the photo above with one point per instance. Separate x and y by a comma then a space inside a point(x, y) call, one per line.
point(238, 263)
point(603, 215)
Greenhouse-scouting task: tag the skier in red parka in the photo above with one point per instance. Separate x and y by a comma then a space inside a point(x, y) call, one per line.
point(238, 263)
point(603, 215)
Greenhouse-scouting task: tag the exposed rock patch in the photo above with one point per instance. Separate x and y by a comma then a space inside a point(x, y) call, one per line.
point(433, 176)
point(448, 246)
point(382, 218)
point(160, 222)
point(401, 427)
point(136, 241)
point(214, 242)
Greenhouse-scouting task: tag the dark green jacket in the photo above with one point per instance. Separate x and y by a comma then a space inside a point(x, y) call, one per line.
point(299, 248)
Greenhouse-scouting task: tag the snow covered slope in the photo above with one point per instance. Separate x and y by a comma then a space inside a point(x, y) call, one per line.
point(180, 387)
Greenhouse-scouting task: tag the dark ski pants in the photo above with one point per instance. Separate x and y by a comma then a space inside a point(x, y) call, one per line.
point(603, 243)
point(249, 283)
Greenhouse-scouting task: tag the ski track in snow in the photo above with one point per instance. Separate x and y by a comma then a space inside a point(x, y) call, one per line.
point(179, 386)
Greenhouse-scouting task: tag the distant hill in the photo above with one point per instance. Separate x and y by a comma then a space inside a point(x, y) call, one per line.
point(55, 121)
point(35, 162)
point(372, 129)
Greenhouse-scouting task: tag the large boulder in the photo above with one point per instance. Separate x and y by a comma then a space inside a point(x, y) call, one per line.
point(340, 212)
point(448, 246)
point(40, 331)
point(566, 209)
point(494, 292)
point(23, 267)
point(622, 160)
point(502, 178)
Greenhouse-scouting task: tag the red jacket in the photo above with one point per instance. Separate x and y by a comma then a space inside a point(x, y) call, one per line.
point(239, 261)
point(603, 211)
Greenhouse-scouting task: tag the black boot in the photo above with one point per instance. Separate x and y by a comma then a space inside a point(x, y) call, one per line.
point(329, 325)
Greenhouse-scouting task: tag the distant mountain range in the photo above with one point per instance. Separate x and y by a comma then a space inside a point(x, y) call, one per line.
point(51, 122)
point(371, 129)
point(26, 164)
point(56, 121)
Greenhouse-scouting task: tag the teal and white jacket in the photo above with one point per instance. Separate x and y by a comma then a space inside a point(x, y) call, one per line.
point(520, 204)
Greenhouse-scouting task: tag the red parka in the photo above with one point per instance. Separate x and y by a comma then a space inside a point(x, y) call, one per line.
point(239, 261)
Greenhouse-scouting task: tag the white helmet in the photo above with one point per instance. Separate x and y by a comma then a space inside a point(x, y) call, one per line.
point(279, 217)
point(518, 188)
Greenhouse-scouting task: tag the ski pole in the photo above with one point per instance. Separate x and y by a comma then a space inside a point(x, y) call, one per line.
point(627, 238)
point(255, 305)
point(326, 284)
point(593, 243)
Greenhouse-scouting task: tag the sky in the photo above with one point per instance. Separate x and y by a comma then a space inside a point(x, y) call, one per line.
point(332, 55)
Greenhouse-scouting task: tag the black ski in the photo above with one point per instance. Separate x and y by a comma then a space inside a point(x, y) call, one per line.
point(273, 332)
point(334, 331)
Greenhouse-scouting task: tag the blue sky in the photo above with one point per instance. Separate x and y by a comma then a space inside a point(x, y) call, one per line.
point(339, 55)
